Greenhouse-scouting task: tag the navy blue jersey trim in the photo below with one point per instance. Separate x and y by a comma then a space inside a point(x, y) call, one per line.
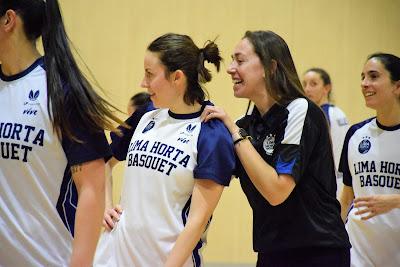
point(196, 251)
point(39, 61)
point(67, 201)
point(343, 163)
point(190, 115)
point(325, 108)
point(387, 128)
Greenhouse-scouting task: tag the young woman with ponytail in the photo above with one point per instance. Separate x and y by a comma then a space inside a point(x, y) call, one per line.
point(176, 166)
point(52, 143)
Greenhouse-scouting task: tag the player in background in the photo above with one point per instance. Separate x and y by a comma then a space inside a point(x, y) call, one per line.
point(370, 163)
point(318, 88)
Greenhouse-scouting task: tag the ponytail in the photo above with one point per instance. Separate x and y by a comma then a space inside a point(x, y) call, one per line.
point(209, 53)
point(67, 86)
point(179, 52)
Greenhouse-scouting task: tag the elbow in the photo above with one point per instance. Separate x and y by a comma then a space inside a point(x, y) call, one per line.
point(198, 222)
point(275, 201)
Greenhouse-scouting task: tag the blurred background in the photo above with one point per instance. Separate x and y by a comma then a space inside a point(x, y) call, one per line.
point(111, 38)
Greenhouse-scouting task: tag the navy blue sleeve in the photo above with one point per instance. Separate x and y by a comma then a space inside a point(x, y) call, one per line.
point(344, 160)
point(216, 157)
point(120, 144)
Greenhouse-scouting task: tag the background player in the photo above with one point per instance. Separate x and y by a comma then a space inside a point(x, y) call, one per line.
point(370, 163)
point(318, 87)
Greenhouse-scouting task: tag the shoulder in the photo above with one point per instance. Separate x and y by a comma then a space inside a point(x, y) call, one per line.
point(356, 127)
point(216, 128)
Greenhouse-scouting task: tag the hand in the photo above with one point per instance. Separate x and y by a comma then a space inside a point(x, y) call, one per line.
point(375, 205)
point(111, 216)
point(214, 112)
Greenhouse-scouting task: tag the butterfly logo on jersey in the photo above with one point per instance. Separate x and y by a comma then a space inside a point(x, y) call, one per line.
point(190, 128)
point(33, 95)
point(365, 145)
point(268, 144)
point(149, 126)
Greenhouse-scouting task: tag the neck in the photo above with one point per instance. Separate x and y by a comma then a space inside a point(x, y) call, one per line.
point(263, 103)
point(184, 108)
point(389, 115)
point(323, 101)
point(18, 57)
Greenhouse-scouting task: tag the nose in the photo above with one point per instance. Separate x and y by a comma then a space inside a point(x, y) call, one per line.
point(364, 82)
point(144, 84)
point(231, 69)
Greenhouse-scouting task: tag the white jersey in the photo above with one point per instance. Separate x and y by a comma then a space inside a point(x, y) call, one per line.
point(338, 127)
point(37, 194)
point(166, 153)
point(370, 163)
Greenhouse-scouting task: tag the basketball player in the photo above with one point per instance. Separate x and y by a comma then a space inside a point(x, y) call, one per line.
point(52, 144)
point(370, 163)
point(318, 87)
point(286, 164)
point(176, 166)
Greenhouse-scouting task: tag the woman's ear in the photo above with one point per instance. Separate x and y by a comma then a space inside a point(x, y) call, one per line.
point(8, 21)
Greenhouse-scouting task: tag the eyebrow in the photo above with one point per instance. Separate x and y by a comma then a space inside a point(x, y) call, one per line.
point(370, 72)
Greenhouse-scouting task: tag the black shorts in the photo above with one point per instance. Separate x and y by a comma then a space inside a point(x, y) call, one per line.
point(309, 257)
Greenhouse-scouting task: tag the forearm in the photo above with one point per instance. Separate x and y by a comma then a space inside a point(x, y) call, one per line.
point(88, 219)
point(396, 201)
point(186, 243)
point(346, 198)
point(273, 187)
point(108, 188)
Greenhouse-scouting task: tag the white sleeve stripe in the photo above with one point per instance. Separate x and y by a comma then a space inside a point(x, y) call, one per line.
point(297, 115)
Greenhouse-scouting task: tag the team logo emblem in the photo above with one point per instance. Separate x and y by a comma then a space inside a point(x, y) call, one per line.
point(33, 95)
point(364, 146)
point(268, 144)
point(149, 126)
point(190, 128)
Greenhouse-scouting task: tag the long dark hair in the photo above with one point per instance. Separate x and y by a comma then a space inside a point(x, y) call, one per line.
point(282, 83)
point(179, 52)
point(66, 85)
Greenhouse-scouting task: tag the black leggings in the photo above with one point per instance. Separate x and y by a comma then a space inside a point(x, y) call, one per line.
point(310, 257)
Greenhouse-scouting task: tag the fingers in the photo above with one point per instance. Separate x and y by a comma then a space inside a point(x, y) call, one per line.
point(111, 216)
point(360, 204)
point(208, 113)
point(361, 199)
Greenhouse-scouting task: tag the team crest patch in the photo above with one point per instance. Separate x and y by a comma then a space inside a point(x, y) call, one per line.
point(149, 126)
point(365, 145)
point(268, 144)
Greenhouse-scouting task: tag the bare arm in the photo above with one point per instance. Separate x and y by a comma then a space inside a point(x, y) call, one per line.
point(89, 181)
point(111, 213)
point(206, 194)
point(109, 182)
point(346, 198)
point(273, 187)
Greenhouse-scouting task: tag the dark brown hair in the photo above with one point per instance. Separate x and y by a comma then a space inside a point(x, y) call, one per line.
point(179, 52)
point(282, 83)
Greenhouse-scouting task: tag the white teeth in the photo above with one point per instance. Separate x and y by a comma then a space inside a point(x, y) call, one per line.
point(236, 81)
point(369, 93)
